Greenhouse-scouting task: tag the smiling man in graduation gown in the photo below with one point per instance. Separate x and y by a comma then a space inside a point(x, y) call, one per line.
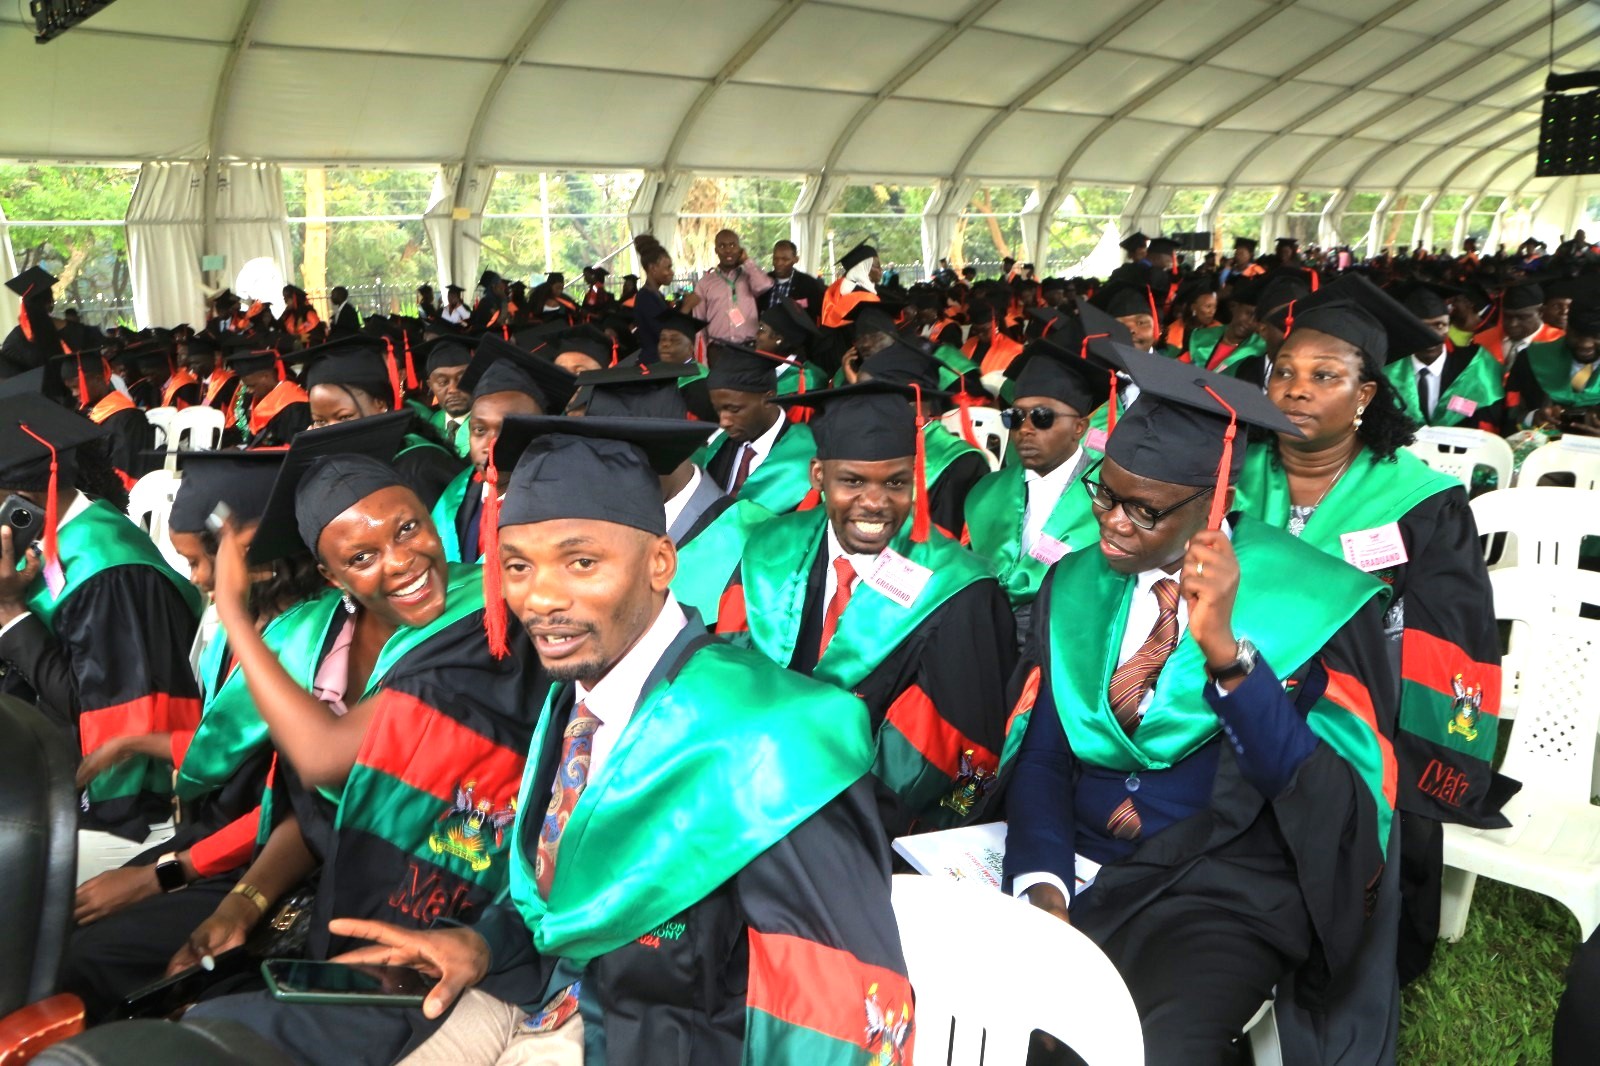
point(1025, 517)
point(679, 851)
point(1206, 731)
point(268, 409)
point(863, 593)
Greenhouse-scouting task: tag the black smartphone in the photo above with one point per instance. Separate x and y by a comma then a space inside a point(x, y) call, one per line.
point(169, 995)
point(25, 518)
point(299, 981)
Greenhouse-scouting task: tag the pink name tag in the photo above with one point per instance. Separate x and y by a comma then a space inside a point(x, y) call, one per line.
point(1095, 439)
point(898, 578)
point(1374, 549)
point(1462, 406)
point(1048, 550)
point(803, 303)
point(735, 316)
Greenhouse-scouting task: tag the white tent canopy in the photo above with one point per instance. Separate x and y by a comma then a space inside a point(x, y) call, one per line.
point(1433, 96)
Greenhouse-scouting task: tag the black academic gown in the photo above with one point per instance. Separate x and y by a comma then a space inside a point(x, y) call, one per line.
point(282, 427)
point(131, 440)
point(18, 354)
point(719, 468)
point(947, 496)
point(427, 469)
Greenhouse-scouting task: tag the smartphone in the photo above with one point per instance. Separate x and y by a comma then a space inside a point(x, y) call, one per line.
point(299, 981)
point(166, 997)
point(218, 517)
point(25, 518)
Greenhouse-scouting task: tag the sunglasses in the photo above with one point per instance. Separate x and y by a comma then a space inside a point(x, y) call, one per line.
point(1140, 515)
point(1041, 417)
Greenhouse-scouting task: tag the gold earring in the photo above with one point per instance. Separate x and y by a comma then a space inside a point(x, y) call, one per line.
point(1359, 410)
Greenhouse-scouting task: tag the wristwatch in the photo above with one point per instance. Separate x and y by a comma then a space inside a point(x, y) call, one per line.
point(169, 873)
point(1244, 661)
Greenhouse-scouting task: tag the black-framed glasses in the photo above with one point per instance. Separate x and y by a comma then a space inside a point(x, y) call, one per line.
point(1140, 515)
point(1041, 417)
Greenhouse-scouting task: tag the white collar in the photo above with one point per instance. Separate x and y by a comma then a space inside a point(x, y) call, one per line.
point(681, 498)
point(1437, 366)
point(763, 444)
point(614, 696)
point(1147, 579)
point(1060, 476)
point(862, 563)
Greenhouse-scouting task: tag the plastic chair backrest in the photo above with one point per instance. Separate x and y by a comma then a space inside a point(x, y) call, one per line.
point(979, 996)
point(161, 418)
point(1578, 456)
point(197, 429)
point(1458, 451)
point(986, 426)
point(149, 506)
point(1527, 594)
point(1548, 524)
point(1552, 747)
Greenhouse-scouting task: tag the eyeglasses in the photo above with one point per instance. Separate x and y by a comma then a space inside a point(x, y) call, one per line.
point(1140, 515)
point(1041, 417)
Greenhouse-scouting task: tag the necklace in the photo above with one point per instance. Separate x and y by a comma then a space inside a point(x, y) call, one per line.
point(1299, 516)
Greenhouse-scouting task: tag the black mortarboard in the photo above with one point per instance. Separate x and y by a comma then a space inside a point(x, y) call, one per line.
point(901, 364)
point(867, 422)
point(1287, 242)
point(34, 279)
point(1359, 313)
point(245, 358)
point(1246, 291)
point(1426, 301)
point(678, 322)
point(488, 278)
point(588, 341)
point(858, 255)
point(635, 390)
point(1162, 246)
point(1123, 299)
point(242, 480)
point(741, 368)
point(1583, 317)
point(1522, 295)
point(1247, 243)
point(554, 277)
point(1133, 242)
point(454, 288)
point(37, 436)
point(449, 350)
point(324, 473)
point(353, 361)
point(871, 317)
point(500, 366)
point(1281, 288)
point(533, 338)
point(1046, 369)
point(790, 322)
point(1181, 430)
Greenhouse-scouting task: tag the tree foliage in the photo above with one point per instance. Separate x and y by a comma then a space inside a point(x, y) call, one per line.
point(90, 261)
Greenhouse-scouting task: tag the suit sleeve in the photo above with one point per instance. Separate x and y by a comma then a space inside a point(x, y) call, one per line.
point(827, 980)
point(31, 649)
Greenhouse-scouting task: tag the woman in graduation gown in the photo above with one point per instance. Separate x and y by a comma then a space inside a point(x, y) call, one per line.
point(1351, 489)
point(401, 739)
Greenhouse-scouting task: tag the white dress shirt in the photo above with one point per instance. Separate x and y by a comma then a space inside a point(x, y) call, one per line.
point(456, 316)
point(1435, 380)
point(1044, 492)
point(680, 499)
point(80, 503)
point(863, 565)
point(614, 697)
point(760, 448)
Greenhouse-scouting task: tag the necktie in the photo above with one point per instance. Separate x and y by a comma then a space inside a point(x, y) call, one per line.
point(1134, 677)
point(1581, 378)
point(1424, 401)
point(451, 426)
point(571, 777)
point(845, 574)
point(746, 455)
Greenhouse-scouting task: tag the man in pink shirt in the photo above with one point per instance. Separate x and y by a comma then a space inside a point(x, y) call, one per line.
point(726, 297)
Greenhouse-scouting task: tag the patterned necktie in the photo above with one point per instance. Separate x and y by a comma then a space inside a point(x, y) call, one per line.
point(1135, 677)
point(571, 777)
point(1422, 395)
point(846, 576)
point(1582, 377)
point(746, 455)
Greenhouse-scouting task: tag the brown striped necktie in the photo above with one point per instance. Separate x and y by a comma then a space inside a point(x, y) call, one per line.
point(1135, 677)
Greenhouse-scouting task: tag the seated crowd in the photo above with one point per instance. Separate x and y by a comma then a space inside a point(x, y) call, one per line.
point(586, 652)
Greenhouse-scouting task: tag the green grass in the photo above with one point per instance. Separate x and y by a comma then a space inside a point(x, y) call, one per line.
point(1491, 998)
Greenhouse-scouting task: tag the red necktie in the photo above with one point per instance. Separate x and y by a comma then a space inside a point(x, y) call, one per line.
point(845, 574)
point(571, 777)
point(746, 455)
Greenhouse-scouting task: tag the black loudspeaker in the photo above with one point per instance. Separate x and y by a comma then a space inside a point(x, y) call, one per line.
point(1569, 135)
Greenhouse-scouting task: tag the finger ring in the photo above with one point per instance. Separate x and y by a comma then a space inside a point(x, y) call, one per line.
point(1199, 569)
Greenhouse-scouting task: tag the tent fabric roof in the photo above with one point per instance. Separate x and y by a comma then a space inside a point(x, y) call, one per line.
point(1345, 92)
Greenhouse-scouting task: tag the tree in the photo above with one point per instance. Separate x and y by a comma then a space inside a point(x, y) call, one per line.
point(90, 261)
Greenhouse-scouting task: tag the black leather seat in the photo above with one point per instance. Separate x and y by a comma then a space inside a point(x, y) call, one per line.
point(38, 852)
point(151, 1043)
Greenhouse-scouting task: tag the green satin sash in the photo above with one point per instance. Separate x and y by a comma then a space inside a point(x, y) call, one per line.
point(700, 782)
point(942, 448)
point(1551, 363)
point(1204, 341)
point(439, 419)
point(789, 381)
point(1479, 381)
point(777, 567)
point(1287, 620)
point(953, 366)
point(995, 511)
point(99, 538)
point(1369, 494)
point(783, 480)
point(445, 511)
point(707, 562)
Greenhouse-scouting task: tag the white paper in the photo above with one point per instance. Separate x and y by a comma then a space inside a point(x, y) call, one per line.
point(972, 853)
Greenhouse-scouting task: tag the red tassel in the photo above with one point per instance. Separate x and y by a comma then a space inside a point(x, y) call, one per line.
point(613, 351)
point(393, 368)
point(1288, 320)
point(963, 403)
point(22, 316)
point(1313, 281)
point(494, 601)
point(1156, 318)
point(920, 521)
point(505, 330)
point(411, 368)
point(811, 500)
point(52, 504)
point(83, 383)
point(283, 375)
point(1220, 498)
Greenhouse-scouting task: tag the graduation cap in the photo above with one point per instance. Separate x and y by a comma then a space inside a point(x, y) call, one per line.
point(1282, 288)
point(1245, 291)
point(861, 253)
point(1046, 369)
point(870, 316)
point(488, 278)
point(592, 469)
point(500, 366)
point(588, 341)
point(790, 322)
point(34, 279)
point(244, 358)
point(35, 434)
point(1162, 246)
point(635, 390)
point(1133, 242)
point(599, 273)
point(869, 422)
point(454, 288)
point(1583, 317)
point(901, 364)
point(1522, 295)
point(325, 472)
point(1356, 311)
point(450, 350)
point(1247, 243)
point(1287, 242)
point(1182, 429)
point(1122, 299)
point(555, 277)
point(355, 361)
point(242, 480)
point(678, 322)
point(1427, 299)
point(742, 368)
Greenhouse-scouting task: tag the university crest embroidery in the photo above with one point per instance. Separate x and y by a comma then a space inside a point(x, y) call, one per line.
point(469, 825)
point(972, 784)
point(886, 1033)
point(1468, 702)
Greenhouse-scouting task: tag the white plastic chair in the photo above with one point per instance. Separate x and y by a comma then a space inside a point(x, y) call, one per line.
point(1553, 844)
point(1458, 451)
point(986, 424)
point(197, 429)
point(1547, 525)
point(149, 506)
point(1038, 973)
point(161, 418)
point(1527, 593)
point(1578, 456)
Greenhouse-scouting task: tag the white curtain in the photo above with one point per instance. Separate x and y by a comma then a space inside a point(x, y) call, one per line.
point(644, 199)
point(455, 240)
point(166, 227)
point(251, 219)
point(9, 302)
